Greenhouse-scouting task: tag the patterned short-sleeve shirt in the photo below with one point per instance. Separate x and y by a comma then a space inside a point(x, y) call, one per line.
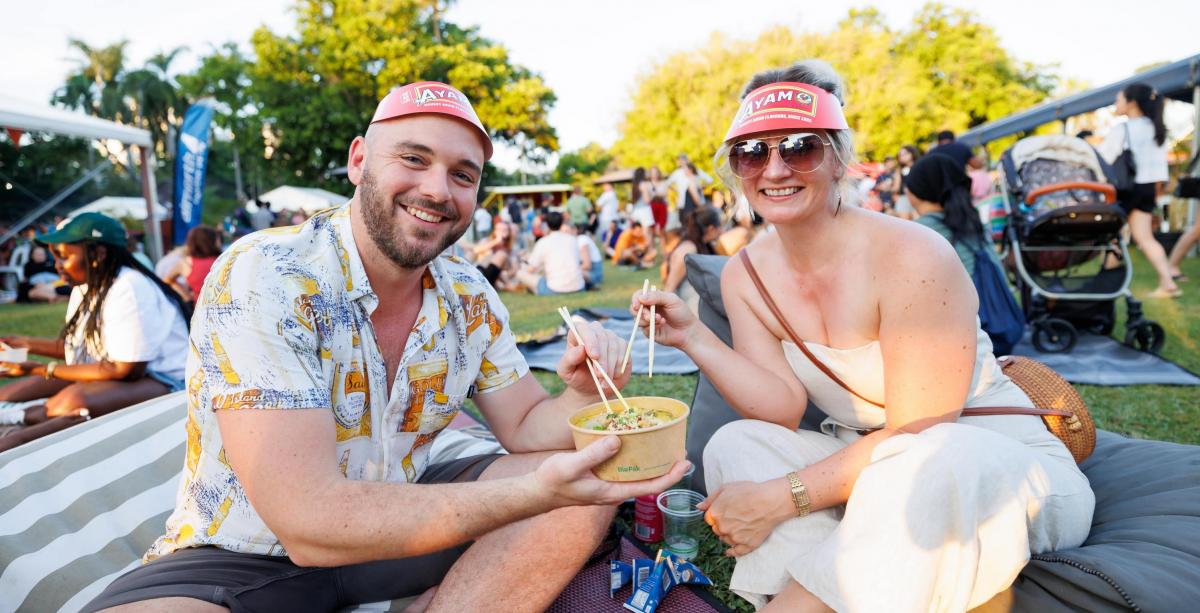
point(283, 322)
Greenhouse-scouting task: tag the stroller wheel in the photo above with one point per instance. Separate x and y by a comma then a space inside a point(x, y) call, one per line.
point(1146, 336)
point(1053, 335)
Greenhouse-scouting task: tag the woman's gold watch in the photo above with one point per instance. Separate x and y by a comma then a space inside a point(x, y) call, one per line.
point(50, 370)
point(799, 495)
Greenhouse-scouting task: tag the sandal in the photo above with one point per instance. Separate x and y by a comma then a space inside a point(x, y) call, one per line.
point(1164, 293)
point(1179, 278)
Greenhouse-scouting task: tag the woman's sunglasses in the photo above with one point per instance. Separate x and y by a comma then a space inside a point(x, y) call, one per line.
point(802, 152)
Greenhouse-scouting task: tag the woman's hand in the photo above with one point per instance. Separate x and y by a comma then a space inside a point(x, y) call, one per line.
point(17, 369)
point(601, 345)
point(16, 341)
point(674, 323)
point(743, 513)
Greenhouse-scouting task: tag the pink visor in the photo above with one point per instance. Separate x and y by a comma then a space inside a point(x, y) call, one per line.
point(786, 106)
point(431, 97)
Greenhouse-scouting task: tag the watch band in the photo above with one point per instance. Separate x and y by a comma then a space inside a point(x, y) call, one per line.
point(799, 495)
point(50, 370)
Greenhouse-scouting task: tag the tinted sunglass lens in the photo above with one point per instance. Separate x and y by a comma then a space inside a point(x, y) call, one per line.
point(748, 158)
point(802, 153)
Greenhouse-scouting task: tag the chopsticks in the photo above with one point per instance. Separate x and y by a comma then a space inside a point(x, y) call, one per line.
point(651, 339)
point(633, 332)
point(593, 366)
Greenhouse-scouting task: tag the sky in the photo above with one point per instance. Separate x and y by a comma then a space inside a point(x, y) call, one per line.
point(591, 53)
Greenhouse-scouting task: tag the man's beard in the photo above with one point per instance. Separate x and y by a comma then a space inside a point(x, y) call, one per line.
point(389, 237)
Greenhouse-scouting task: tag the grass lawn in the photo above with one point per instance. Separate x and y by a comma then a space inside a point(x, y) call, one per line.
point(1146, 411)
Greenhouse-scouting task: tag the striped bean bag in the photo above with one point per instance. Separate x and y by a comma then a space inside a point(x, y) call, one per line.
point(79, 507)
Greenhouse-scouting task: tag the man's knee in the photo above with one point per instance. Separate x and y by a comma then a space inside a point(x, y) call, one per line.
point(70, 398)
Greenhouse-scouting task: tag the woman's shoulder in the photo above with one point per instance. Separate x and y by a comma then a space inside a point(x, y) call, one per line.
point(895, 243)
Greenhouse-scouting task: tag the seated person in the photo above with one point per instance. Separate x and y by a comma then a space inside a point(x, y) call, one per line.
point(589, 257)
point(495, 257)
point(125, 340)
point(609, 235)
point(201, 249)
point(701, 226)
point(39, 270)
point(899, 503)
point(633, 247)
point(325, 362)
point(554, 265)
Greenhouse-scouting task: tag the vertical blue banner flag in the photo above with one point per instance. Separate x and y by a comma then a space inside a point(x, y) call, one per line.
point(191, 157)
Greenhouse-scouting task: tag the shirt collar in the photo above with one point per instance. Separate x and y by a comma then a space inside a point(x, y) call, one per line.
point(357, 285)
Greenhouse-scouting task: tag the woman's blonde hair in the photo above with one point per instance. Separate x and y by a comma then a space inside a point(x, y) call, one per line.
point(812, 72)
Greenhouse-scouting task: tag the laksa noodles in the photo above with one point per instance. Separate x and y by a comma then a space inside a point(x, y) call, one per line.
point(633, 418)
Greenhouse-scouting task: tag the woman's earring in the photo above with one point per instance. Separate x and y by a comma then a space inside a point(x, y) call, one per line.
point(839, 205)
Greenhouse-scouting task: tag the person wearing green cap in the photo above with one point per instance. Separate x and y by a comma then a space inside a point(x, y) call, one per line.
point(125, 338)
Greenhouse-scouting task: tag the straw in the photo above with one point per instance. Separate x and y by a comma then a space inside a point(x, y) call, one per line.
point(566, 315)
point(633, 332)
point(652, 312)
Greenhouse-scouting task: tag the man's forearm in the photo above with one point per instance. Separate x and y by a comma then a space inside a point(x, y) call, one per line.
point(346, 522)
point(544, 427)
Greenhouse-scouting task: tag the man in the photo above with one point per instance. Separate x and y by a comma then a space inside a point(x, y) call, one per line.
point(326, 359)
point(683, 179)
point(580, 211)
point(952, 149)
point(482, 226)
point(554, 265)
point(633, 247)
point(608, 205)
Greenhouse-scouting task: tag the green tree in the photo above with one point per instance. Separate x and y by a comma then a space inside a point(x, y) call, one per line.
point(581, 166)
point(945, 71)
point(316, 90)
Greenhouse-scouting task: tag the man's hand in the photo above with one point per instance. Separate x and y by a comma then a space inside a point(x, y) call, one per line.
point(601, 345)
point(568, 477)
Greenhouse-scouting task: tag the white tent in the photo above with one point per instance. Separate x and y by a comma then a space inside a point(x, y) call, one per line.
point(122, 207)
point(307, 199)
point(28, 116)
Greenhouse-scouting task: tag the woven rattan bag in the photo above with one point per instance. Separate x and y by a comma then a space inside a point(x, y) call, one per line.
point(1049, 391)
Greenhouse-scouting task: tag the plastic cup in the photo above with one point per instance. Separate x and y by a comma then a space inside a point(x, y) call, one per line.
point(685, 483)
point(682, 522)
point(14, 355)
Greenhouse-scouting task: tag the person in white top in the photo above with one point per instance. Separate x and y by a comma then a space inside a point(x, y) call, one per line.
point(591, 261)
point(688, 184)
point(609, 206)
point(483, 223)
point(125, 338)
point(1145, 136)
point(554, 265)
point(908, 505)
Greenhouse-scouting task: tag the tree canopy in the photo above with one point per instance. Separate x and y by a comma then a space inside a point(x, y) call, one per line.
point(946, 70)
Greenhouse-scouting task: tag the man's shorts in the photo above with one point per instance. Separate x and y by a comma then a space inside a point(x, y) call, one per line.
point(250, 582)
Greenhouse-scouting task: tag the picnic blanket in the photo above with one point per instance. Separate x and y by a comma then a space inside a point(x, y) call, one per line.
point(545, 353)
point(79, 507)
point(1101, 360)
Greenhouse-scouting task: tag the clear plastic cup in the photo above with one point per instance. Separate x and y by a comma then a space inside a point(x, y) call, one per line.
point(685, 483)
point(683, 523)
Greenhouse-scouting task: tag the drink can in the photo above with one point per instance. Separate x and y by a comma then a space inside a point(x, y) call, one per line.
point(647, 519)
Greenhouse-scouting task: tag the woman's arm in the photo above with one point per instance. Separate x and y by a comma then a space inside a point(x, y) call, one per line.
point(78, 373)
point(48, 347)
point(676, 271)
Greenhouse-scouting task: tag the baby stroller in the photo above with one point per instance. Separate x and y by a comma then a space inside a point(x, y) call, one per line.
point(1063, 239)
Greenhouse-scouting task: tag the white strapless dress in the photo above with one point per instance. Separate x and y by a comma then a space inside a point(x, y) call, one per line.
point(941, 520)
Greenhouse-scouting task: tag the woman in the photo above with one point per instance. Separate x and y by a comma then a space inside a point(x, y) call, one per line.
point(201, 248)
point(945, 511)
point(639, 197)
point(494, 256)
point(941, 194)
point(1145, 136)
point(701, 227)
point(905, 158)
point(125, 338)
point(656, 188)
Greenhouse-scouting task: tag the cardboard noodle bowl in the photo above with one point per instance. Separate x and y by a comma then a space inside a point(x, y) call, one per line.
point(645, 453)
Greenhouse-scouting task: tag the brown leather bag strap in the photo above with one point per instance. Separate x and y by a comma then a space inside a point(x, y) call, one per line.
point(978, 411)
point(762, 291)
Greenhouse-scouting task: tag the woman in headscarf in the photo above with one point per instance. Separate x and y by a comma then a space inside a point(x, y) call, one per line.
point(900, 503)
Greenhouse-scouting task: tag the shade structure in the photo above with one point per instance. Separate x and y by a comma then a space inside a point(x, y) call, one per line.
point(291, 198)
point(120, 207)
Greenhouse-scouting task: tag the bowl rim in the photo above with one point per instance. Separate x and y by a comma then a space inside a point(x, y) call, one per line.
point(687, 410)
